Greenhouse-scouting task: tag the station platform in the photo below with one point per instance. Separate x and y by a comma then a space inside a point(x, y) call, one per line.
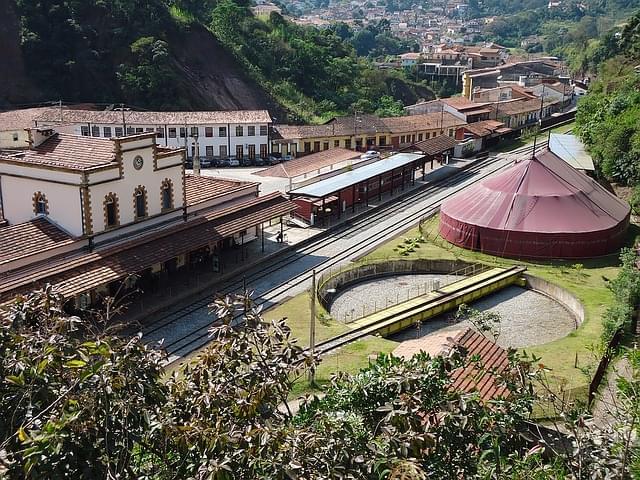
point(391, 320)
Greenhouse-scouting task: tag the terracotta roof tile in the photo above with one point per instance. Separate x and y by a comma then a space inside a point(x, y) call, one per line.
point(199, 189)
point(425, 121)
point(309, 163)
point(71, 152)
point(28, 238)
point(154, 118)
point(484, 128)
point(20, 119)
point(435, 145)
point(482, 376)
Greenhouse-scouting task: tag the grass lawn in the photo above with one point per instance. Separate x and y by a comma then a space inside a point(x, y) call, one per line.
point(566, 128)
point(350, 358)
point(586, 279)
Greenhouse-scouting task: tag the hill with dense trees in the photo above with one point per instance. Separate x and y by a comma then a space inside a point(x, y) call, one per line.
point(608, 118)
point(181, 54)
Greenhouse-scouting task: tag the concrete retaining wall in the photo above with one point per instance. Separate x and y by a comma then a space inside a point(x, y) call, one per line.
point(559, 294)
point(329, 285)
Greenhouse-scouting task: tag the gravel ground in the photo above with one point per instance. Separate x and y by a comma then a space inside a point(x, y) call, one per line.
point(376, 294)
point(528, 317)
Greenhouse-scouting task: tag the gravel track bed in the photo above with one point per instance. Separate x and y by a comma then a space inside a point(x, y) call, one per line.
point(528, 317)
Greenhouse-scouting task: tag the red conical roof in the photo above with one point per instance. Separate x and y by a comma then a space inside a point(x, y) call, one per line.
point(560, 208)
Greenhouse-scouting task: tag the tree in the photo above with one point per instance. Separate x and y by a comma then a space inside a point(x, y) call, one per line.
point(75, 399)
point(151, 78)
point(388, 107)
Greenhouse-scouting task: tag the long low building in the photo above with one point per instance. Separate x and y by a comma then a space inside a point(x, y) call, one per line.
point(84, 213)
point(332, 195)
point(363, 132)
point(235, 134)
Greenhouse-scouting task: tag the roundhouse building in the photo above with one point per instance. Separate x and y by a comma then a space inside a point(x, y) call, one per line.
point(541, 207)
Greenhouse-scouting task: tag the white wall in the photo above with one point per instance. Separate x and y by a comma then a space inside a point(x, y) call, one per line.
point(63, 202)
point(230, 140)
point(14, 139)
point(125, 187)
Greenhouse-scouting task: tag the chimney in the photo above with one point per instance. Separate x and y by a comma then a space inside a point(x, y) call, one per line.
point(37, 136)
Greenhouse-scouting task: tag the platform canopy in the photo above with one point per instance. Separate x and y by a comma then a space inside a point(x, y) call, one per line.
point(570, 149)
point(540, 207)
point(358, 175)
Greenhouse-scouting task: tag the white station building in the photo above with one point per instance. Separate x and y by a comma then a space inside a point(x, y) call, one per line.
point(234, 134)
point(84, 213)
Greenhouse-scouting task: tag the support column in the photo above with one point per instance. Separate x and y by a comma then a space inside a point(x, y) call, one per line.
point(353, 199)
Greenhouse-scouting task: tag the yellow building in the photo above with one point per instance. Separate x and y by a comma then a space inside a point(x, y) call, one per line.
point(362, 132)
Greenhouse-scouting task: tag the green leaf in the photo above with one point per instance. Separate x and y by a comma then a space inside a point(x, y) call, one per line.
point(75, 364)
point(22, 435)
point(15, 380)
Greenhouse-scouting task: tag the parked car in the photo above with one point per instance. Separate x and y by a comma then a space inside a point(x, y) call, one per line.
point(207, 162)
point(369, 155)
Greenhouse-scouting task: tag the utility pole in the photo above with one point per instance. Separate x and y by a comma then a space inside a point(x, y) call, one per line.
point(196, 155)
point(312, 327)
point(542, 102)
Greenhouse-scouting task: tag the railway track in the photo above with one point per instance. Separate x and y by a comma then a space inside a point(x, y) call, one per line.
point(184, 343)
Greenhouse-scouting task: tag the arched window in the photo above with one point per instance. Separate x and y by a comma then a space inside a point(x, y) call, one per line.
point(40, 204)
point(111, 211)
point(140, 202)
point(166, 194)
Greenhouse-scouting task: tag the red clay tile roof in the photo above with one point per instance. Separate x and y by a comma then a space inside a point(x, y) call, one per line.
point(484, 128)
point(425, 121)
point(72, 276)
point(28, 238)
point(199, 189)
point(20, 119)
point(369, 124)
point(309, 163)
point(154, 118)
point(434, 146)
point(484, 376)
point(69, 152)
